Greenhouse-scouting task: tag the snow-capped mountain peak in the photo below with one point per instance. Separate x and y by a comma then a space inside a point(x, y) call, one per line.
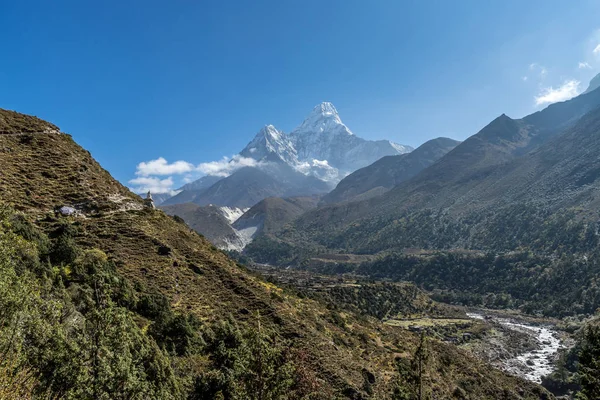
point(271, 131)
point(325, 110)
point(324, 118)
point(322, 146)
point(269, 143)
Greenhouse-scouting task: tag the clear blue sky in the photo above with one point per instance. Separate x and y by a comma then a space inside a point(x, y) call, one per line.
point(195, 80)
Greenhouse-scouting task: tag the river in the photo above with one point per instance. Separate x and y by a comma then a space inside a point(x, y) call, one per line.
point(534, 362)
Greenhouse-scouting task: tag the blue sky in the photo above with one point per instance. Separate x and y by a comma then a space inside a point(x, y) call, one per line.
point(193, 81)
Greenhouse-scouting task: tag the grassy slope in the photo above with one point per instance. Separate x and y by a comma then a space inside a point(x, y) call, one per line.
point(39, 172)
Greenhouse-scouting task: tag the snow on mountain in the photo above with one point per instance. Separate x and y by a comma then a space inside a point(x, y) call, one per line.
point(269, 144)
point(310, 160)
point(232, 214)
point(324, 118)
point(245, 237)
point(322, 146)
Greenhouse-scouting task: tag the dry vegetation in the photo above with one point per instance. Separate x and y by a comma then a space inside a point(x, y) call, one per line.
point(353, 356)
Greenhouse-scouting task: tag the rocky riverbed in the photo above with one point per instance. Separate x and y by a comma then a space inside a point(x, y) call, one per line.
point(521, 348)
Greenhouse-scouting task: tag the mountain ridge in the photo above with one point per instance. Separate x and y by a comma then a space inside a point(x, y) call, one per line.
point(389, 171)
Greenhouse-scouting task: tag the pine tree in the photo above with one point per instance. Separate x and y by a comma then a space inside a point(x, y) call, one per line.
point(589, 365)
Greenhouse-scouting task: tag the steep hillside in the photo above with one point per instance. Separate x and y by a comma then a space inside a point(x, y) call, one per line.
point(389, 171)
point(335, 354)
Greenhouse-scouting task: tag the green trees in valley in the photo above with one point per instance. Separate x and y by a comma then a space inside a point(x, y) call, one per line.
point(589, 364)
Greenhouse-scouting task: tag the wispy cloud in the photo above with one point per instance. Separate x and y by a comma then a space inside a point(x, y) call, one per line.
point(584, 65)
point(160, 166)
point(144, 184)
point(226, 166)
point(524, 78)
point(596, 49)
point(566, 91)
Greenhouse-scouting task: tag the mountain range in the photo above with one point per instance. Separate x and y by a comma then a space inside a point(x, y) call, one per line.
point(309, 160)
point(544, 163)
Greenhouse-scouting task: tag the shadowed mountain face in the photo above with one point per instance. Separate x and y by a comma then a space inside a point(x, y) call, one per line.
point(389, 171)
point(42, 170)
point(544, 161)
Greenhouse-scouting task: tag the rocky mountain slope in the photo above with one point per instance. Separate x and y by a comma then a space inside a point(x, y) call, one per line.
point(389, 171)
point(42, 170)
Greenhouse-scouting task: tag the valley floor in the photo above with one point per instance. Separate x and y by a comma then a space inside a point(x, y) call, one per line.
point(519, 344)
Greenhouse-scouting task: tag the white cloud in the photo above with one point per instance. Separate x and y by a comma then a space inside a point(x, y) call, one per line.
point(148, 173)
point(321, 163)
point(226, 166)
point(584, 65)
point(566, 91)
point(320, 169)
point(144, 184)
point(524, 78)
point(596, 49)
point(160, 166)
